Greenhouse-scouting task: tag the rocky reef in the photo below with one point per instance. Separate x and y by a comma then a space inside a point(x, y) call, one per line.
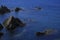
point(4, 9)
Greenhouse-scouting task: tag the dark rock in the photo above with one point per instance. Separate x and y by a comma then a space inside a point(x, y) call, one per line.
point(50, 31)
point(19, 22)
point(4, 9)
point(46, 32)
point(11, 23)
point(38, 8)
point(17, 9)
point(1, 34)
point(40, 33)
point(1, 27)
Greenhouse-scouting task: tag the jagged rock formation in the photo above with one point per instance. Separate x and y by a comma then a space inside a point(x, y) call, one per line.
point(11, 23)
point(37, 8)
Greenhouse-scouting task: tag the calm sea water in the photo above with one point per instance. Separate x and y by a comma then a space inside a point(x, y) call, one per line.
point(47, 18)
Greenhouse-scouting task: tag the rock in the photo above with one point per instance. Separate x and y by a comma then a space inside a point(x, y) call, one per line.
point(11, 23)
point(1, 34)
point(4, 9)
point(17, 9)
point(1, 27)
point(19, 22)
point(38, 8)
point(46, 32)
point(50, 31)
point(40, 33)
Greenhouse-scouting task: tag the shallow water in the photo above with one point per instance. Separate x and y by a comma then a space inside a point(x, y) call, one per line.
point(47, 18)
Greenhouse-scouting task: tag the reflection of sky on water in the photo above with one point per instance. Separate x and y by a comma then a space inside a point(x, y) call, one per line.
point(48, 17)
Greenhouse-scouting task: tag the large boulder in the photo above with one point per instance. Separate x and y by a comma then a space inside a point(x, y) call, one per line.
point(1, 27)
point(11, 23)
point(4, 9)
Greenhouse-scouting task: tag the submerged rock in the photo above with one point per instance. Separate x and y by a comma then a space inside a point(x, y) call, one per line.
point(1, 34)
point(17, 9)
point(19, 22)
point(4, 9)
point(50, 31)
point(46, 32)
point(1, 27)
point(40, 33)
point(37, 8)
point(11, 23)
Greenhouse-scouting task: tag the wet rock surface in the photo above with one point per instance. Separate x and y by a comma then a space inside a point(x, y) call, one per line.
point(1, 27)
point(19, 23)
point(11, 23)
point(46, 32)
point(50, 31)
point(40, 33)
point(17, 9)
point(1, 34)
point(4, 9)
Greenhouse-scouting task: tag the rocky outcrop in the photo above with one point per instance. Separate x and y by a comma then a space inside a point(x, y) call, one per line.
point(4, 9)
point(11, 23)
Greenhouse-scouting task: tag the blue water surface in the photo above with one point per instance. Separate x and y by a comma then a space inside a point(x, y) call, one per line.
point(36, 20)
